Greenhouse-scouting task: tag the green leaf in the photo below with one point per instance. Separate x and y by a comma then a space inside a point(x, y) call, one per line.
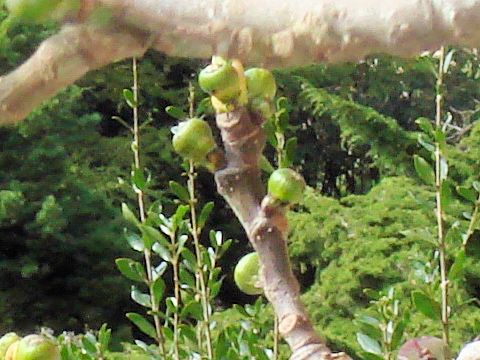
point(424, 170)
point(140, 298)
point(476, 185)
point(188, 332)
point(370, 326)
point(216, 238)
point(143, 324)
point(151, 236)
point(180, 245)
point(398, 333)
point(129, 98)
point(186, 278)
point(179, 215)
point(129, 215)
point(265, 165)
point(159, 270)
point(175, 112)
point(135, 242)
point(139, 180)
point(180, 191)
point(291, 151)
point(282, 103)
point(443, 168)
point(189, 259)
point(453, 234)
point(269, 129)
point(172, 305)
point(425, 124)
point(467, 193)
point(439, 136)
point(427, 306)
point(89, 345)
point(368, 344)
point(205, 214)
point(158, 290)
point(370, 320)
point(370, 356)
point(282, 120)
point(130, 269)
point(161, 250)
point(447, 61)
point(194, 309)
point(104, 336)
point(445, 194)
point(426, 143)
point(458, 266)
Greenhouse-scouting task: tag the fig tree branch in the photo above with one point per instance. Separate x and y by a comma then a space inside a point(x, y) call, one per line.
point(292, 32)
point(240, 183)
point(61, 60)
point(271, 33)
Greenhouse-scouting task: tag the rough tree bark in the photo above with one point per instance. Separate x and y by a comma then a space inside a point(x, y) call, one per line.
point(240, 183)
point(268, 33)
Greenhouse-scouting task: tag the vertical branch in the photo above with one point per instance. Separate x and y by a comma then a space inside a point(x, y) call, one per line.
point(200, 275)
point(438, 196)
point(176, 294)
point(240, 183)
point(141, 206)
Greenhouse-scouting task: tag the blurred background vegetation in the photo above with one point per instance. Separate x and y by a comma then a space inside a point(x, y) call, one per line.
point(366, 222)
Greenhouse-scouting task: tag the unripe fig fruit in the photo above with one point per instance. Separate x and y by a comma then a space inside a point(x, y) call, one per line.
point(260, 84)
point(422, 347)
point(247, 274)
point(262, 107)
point(36, 347)
point(193, 139)
point(470, 351)
point(12, 351)
point(5, 342)
point(286, 185)
point(32, 11)
point(221, 80)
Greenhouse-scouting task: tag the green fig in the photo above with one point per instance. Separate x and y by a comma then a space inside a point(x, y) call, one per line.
point(193, 139)
point(247, 273)
point(260, 84)
point(36, 347)
point(262, 107)
point(12, 351)
point(286, 185)
point(221, 80)
point(5, 342)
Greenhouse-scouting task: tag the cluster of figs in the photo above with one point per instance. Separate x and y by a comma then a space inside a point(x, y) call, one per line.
point(31, 347)
point(229, 86)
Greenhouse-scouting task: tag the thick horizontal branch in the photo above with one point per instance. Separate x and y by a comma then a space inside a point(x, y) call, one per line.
point(271, 33)
point(293, 32)
point(61, 60)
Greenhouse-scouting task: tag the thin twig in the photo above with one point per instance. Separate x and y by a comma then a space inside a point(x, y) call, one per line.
point(176, 282)
point(200, 275)
point(438, 196)
point(141, 206)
